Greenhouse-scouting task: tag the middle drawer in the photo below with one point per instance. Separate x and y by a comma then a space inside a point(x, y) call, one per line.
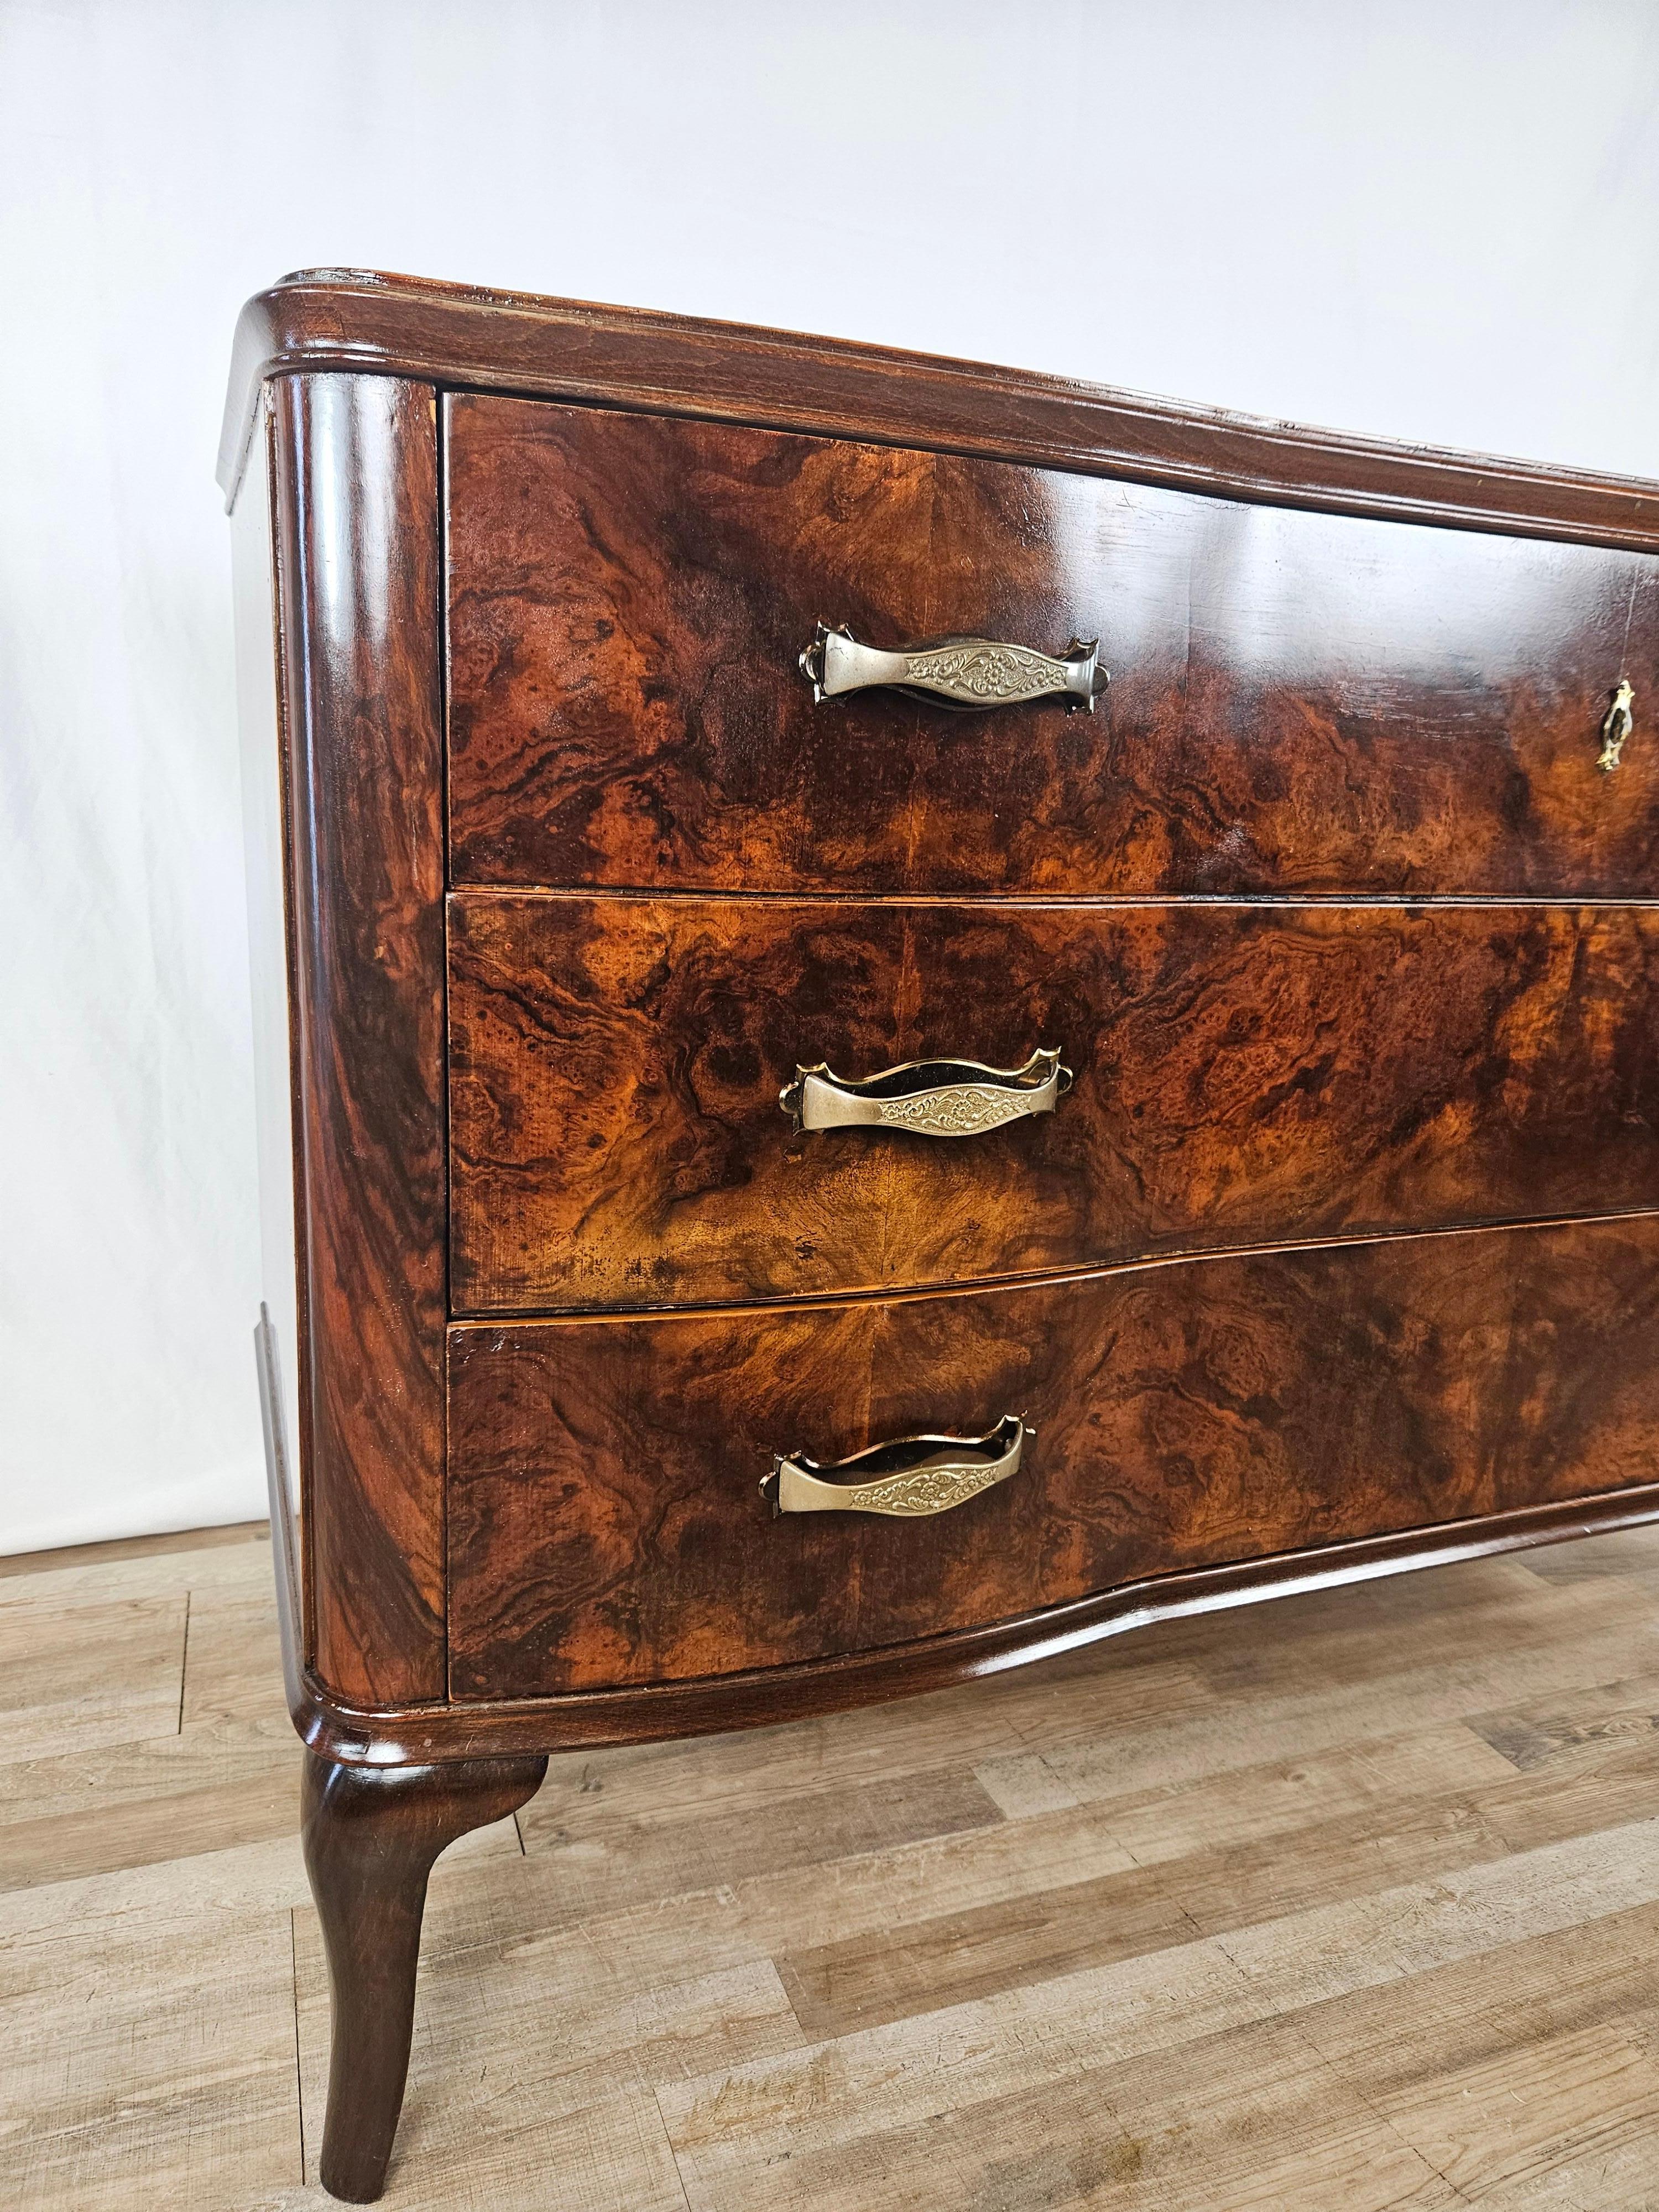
point(1242, 1074)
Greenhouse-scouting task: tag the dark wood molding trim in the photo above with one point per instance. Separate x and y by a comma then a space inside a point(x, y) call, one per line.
point(831, 902)
point(454, 335)
point(482, 1326)
point(358, 600)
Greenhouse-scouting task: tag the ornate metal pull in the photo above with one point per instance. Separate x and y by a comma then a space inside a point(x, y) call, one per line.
point(910, 1477)
point(929, 1098)
point(1616, 726)
point(969, 673)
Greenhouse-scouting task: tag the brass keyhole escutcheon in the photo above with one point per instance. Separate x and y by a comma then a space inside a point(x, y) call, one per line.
point(1616, 726)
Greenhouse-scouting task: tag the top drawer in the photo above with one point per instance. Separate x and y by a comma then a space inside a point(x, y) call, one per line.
point(1299, 702)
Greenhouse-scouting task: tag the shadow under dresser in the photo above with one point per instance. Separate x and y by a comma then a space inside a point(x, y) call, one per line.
point(906, 1014)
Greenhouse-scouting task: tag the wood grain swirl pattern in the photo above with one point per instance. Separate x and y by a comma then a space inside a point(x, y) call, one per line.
point(606, 1525)
point(1299, 702)
point(1244, 1074)
point(357, 554)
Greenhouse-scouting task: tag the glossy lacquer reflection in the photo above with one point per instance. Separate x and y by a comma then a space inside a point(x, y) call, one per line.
point(1242, 1074)
point(607, 1524)
point(1298, 702)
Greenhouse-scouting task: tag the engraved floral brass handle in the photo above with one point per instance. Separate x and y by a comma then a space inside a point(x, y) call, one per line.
point(1616, 726)
point(968, 673)
point(929, 1098)
point(911, 1477)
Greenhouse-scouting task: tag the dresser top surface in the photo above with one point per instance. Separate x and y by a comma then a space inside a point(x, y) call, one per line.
point(460, 337)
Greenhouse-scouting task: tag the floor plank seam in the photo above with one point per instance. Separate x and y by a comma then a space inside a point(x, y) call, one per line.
point(1381, 2118)
point(184, 1667)
point(668, 2140)
point(118, 1549)
point(299, 2070)
point(1040, 1752)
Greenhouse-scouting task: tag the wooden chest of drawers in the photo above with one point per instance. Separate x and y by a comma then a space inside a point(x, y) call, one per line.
point(738, 993)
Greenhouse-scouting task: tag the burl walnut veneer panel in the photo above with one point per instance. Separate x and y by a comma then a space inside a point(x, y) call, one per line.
point(1243, 1074)
point(1299, 702)
point(357, 517)
point(1350, 942)
point(606, 1523)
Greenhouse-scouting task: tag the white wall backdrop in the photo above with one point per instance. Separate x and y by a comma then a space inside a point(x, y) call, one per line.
point(1438, 221)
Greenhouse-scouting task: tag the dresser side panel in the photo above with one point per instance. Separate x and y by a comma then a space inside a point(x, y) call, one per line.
point(357, 534)
point(264, 810)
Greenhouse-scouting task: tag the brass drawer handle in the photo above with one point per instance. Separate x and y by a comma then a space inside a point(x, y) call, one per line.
point(911, 1477)
point(929, 1098)
point(969, 673)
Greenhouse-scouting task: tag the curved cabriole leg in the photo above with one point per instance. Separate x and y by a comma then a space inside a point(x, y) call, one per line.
point(371, 1834)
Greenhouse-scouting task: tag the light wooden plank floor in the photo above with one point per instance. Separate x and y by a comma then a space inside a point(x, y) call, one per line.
point(1345, 1903)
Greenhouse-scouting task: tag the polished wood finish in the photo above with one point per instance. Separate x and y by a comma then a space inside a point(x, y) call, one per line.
point(606, 1526)
point(357, 562)
point(1244, 1073)
point(1341, 1257)
point(384, 1736)
point(457, 335)
point(1294, 704)
point(371, 1835)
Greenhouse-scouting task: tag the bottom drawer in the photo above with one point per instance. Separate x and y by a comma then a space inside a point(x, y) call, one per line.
point(607, 1525)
